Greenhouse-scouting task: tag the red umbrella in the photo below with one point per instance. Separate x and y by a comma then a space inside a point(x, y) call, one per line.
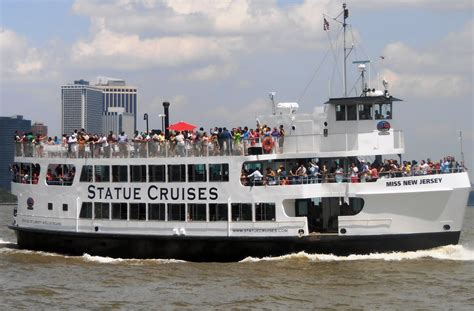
point(181, 126)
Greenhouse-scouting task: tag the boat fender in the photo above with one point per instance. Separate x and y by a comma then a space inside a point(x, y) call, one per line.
point(175, 231)
point(267, 144)
point(446, 227)
point(343, 231)
point(96, 228)
point(182, 231)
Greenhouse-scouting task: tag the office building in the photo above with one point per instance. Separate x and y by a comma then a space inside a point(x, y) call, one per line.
point(82, 106)
point(119, 105)
point(8, 126)
point(110, 105)
point(39, 129)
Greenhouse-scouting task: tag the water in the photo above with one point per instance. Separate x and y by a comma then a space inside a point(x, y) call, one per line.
point(435, 279)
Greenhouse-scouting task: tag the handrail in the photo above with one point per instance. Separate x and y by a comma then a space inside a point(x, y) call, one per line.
point(340, 178)
point(204, 148)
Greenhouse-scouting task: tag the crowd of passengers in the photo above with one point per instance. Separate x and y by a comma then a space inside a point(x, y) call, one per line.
point(25, 173)
point(218, 141)
point(358, 171)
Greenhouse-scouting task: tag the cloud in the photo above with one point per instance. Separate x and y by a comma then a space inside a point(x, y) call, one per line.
point(124, 51)
point(458, 5)
point(443, 69)
point(226, 27)
point(212, 72)
point(19, 60)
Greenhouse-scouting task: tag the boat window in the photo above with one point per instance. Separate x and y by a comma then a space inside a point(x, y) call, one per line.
point(119, 173)
point(241, 211)
point(86, 210)
point(119, 211)
point(197, 212)
point(50, 206)
point(156, 211)
point(340, 112)
point(101, 210)
point(383, 111)
point(351, 112)
point(197, 172)
point(86, 173)
point(137, 211)
point(176, 211)
point(25, 173)
point(218, 172)
point(156, 173)
point(177, 173)
point(60, 174)
point(218, 212)
point(138, 173)
point(265, 211)
point(102, 173)
point(365, 111)
point(65, 207)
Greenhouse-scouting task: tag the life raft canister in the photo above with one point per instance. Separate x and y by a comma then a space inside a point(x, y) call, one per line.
point(267, 144)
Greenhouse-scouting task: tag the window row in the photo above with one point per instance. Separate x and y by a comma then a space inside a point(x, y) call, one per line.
point(177, 211)
point(156, 173)
point(364, 112)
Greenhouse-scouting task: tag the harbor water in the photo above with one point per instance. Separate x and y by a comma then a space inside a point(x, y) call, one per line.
point(439, 279)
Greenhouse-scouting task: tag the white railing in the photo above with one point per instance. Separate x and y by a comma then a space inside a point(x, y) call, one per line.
point(215, 147)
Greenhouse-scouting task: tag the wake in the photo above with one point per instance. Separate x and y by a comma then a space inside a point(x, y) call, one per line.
point(449, 252)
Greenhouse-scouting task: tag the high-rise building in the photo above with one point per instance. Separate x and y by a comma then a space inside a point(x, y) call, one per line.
point(8, 126)
point(39, 129)
point(82, 107)
point(119, 105)
point(110, 105)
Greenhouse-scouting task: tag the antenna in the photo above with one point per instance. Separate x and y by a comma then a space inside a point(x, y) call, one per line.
point(272, 98)
point(362, 68)
point(346, 15)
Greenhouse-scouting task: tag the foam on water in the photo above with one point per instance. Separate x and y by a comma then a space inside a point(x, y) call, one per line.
point(3, 242)
point(449, 252)
point(110, 260)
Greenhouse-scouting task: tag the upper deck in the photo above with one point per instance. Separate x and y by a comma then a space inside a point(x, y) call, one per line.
point(317, 145)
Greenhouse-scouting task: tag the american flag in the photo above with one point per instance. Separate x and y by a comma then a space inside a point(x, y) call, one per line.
point(326, 25)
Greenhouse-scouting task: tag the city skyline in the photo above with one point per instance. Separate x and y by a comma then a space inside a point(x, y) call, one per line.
point(216, 62)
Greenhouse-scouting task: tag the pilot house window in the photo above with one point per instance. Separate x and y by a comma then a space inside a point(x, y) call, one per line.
point(365, 111)
point(340, 112)
point(351, 112)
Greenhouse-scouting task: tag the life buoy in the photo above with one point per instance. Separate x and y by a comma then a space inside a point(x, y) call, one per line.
point(267, 144)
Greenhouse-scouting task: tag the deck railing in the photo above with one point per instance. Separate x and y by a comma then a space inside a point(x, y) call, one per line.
point(217, 147)
point(341, 178)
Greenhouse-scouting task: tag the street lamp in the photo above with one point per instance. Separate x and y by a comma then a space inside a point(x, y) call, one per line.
point(162, 116)
point(145, 117)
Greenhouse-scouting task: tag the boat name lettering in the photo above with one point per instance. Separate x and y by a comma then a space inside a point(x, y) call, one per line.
point(153, 192)
point(413, 182)
point(41, 222)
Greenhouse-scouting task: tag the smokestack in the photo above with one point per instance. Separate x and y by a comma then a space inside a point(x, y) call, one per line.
point(166, 106)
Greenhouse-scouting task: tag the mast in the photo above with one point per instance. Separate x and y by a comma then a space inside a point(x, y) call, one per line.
point(346, 15)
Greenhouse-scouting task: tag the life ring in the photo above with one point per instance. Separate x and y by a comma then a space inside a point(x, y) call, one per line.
point(267, 144)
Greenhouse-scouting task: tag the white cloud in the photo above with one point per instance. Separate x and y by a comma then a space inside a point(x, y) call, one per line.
point(444, 69)
point(19, 60)
point(212, 72)
point(444, 5)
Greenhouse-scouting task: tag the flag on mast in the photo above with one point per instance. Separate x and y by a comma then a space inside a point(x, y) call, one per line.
point(326, 25)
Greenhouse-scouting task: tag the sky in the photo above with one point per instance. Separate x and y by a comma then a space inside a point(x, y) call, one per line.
point(216, 61)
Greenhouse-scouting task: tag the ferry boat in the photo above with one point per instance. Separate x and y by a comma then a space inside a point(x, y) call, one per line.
point(201, 202)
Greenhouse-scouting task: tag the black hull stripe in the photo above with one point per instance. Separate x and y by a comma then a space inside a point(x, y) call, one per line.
point(222, 248)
